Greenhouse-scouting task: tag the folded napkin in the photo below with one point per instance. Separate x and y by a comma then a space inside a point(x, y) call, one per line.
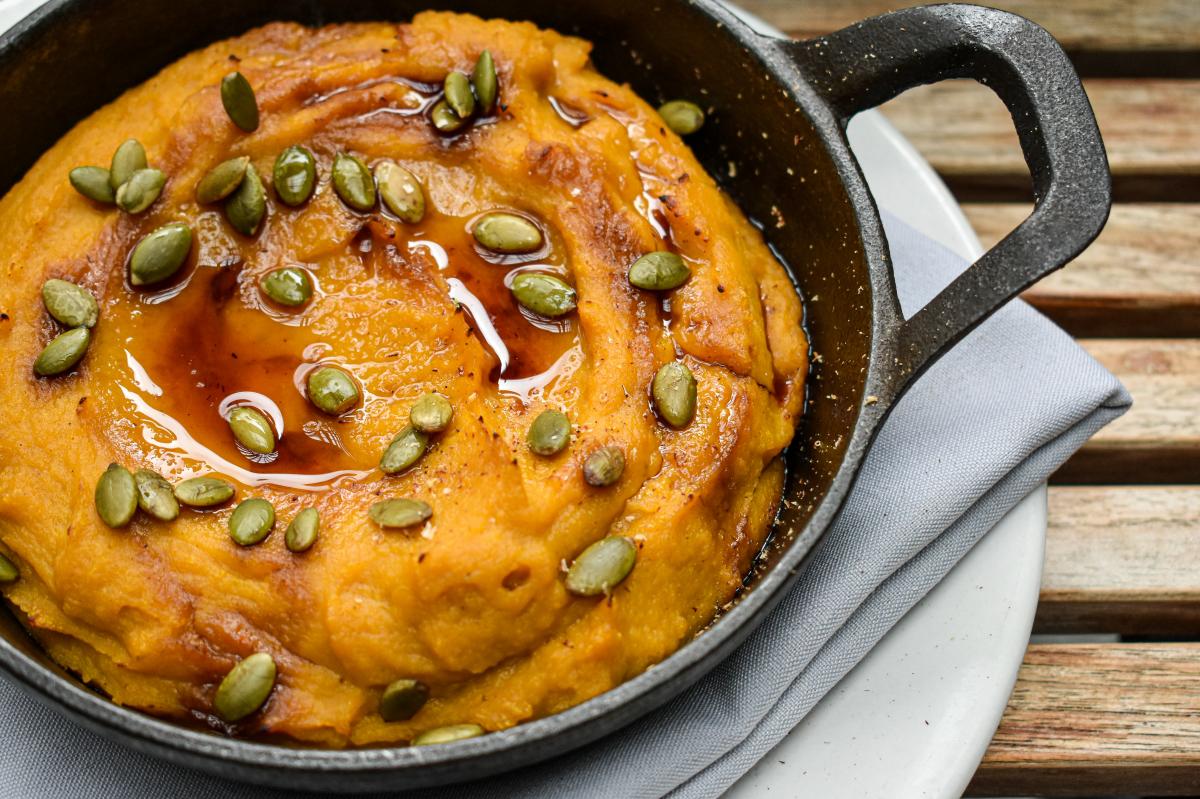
point(981, 429)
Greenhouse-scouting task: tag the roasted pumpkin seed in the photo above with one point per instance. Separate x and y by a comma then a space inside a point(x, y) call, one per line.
point(601, 566)
point(682, 116)
point(295, 175)
point(155, 495)
point(160, 254)
point(402, 699)
point(545, 295)
point(252, 429)
point(141, 190)
point(449, 734)
point(116, 496)
point(302, 532)
point(353, 182)
point(399, 512)
point(483, 79)
point(444, 119)
point(251, 521)
point(400, 191)
point(431, 413)
point(222, 180)
point(93, 182)
point(659, 271)
point(604, 466)
point(549, 433)
point(406, 449)
point(503, 232)
point(238, 98)
point(63, 352)
point(290, 286)
point(8, 571)
point(203, 492)
point(247, 206)
point(674, 392)
point(332, 390)
point(459, 97)
point(69, 304)
point(245, 688)
point(129, 157)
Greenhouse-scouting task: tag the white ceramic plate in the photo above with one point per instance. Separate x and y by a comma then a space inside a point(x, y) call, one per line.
point(913, 719)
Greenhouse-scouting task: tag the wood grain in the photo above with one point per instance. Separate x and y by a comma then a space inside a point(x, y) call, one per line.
point(1103, 36)
point(1158, 440)
point(1149, 128)
point(1122, 559)
point(1140, 278)
point(1099, 719)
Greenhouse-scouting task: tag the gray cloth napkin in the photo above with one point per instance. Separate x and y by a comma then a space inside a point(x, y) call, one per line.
point(982, 428)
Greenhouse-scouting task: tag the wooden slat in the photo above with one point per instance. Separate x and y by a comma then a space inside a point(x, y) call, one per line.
point(1122, 559)
point(1099, 720)
point(1140, 278)
point(1112, 37)
point(1158, 440)
point(1149, 128)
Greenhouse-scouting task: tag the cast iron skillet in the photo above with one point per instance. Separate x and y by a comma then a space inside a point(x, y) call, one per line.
point(781, 114)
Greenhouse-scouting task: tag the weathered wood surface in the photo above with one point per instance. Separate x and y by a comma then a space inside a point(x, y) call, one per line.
point(1158, 440)
point(1122, 559)
point(1140, 278)
point(1099, 720)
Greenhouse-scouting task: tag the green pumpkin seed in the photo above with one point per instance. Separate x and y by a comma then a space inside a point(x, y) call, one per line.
point(459, 97)
point(399, 512)
point(431, 413)
point(63, 352)
point(8, 571)
point(290, 286)
point(129, 158)
point(252, 429)
point(93, 182)
point(406, 449)
point(141, 190)
point(400, 191)
point(682, 116)
point(545, 295)
point(245, 688)
point(155, 495)
point(69, 304)
point(483, 78)
point(295, 175)
point(601, 566)
point(222, 180)
point(402, 699)
point(353, 182)
point(160, 254)
point(251, 521)
point(550, 433)
point(238, 98)
point(674, 392)
point(247, 206)
point(302, 532)
point(332, 390)
point(659, 271)
point(116, 496)
point(445, 735)
point(444, 119)
point(507, 233)
point(604, 466)
point(203, 492)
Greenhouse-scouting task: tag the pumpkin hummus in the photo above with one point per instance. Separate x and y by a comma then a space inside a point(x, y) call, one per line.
point(471, 602)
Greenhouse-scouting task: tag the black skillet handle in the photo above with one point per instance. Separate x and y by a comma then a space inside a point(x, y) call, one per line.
point(869, 63)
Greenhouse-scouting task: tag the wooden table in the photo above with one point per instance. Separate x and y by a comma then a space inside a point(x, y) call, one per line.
point(1112, 705)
